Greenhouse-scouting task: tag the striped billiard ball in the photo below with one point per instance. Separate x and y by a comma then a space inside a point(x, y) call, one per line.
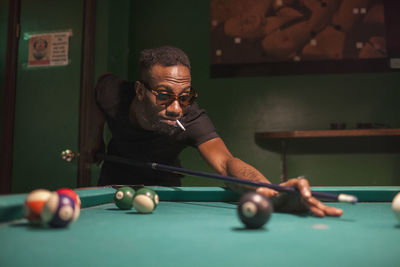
point(123, 197)
point(145, 200)
point(72, 194)
point(58, 211)
point(34, 203)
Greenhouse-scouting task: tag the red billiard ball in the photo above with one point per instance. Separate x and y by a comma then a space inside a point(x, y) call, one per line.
point(254, 210)
point(34, 203)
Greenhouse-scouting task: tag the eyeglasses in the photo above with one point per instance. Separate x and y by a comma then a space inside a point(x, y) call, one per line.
point(166, 98)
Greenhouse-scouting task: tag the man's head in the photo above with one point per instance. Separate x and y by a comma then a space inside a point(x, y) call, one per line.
point(164, 56)
point(164, 89)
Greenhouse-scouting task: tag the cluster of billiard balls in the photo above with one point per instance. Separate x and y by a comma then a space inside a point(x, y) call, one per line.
point(52, 209)
point(144, 200)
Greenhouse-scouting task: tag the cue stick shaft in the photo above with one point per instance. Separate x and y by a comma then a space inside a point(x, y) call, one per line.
point(178, 170)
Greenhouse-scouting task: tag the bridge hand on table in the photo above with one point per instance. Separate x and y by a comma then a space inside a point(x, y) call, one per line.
point(299, 203)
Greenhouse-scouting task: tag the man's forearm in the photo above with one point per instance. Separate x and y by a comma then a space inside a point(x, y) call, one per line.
point(238, 168)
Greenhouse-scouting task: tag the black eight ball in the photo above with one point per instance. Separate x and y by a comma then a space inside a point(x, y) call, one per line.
point(254, 210)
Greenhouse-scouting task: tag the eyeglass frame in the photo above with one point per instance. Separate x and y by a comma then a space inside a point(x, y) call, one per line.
point(173, 97)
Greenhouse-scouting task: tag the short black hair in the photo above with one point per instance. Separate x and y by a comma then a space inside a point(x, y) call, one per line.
point(164, 55)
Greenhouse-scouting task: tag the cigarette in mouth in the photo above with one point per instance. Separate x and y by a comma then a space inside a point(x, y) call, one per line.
point(180, 125)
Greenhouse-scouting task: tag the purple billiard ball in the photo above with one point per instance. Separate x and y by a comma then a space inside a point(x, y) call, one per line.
point(58, 211)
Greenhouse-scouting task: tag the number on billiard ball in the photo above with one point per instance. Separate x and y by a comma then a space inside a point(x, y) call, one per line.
point(59, 210)
point(71, 193)
point(254, 210)
point(123, 197)
point(145, 200)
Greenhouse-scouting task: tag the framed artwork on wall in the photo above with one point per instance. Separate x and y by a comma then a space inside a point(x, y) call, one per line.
point(275, 37)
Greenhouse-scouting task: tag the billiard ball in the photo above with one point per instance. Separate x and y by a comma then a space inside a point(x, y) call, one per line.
point(396, 206)
point(72, 194)
point(34, 203)
point(254, 210)
point(145, 200)
point(58, 211)
point(123, 197)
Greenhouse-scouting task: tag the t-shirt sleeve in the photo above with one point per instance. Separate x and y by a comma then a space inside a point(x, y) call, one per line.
point(199, 127)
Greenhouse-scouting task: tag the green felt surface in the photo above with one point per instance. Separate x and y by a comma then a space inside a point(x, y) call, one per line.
point(205, 233)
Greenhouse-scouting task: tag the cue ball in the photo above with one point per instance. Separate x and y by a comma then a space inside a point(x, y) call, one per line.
point(396, 206)
point(123, 197)
point(254, 210)
point(145, 200)
point(34, 203)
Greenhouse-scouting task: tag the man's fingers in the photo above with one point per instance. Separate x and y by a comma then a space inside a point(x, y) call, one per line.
point(315, 205)
point(317, 212)
point(267, 192)
point(304, 187)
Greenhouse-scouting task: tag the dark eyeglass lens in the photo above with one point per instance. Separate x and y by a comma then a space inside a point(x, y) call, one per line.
point(163, 97)
point(166, 98)
point(185, 99)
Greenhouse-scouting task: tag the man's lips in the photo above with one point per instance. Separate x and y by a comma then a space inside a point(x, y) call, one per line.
point(169, 121)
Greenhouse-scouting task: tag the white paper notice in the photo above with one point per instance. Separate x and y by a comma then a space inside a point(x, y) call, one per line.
point(49, 49)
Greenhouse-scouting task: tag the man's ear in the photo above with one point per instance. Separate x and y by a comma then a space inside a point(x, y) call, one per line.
point(140, 91)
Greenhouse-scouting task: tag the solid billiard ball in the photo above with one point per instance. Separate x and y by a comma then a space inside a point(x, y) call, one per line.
point(254, 210)
point(58, 211)
point(145, 200)
point(123, 197)
point(71, 193)
point(396, 206)
point(34, 203)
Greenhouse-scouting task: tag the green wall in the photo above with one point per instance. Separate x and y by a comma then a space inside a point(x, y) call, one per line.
point(241, 106)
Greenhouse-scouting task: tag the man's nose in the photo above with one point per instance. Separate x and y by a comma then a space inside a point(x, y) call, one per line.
point(174, 109)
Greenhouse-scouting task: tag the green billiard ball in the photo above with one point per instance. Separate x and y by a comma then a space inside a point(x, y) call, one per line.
point(123, 197)
point(145, 200)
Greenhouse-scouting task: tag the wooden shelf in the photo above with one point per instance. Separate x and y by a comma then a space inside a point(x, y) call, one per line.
point(327, 133)
point(350, 135)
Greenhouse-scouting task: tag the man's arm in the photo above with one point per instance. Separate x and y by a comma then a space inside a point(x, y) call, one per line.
point(217, 155)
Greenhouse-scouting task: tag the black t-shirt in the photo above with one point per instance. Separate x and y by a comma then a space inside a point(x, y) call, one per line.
point(113, 97)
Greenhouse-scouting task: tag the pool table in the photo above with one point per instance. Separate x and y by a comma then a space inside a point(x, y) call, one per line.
point(199, 226)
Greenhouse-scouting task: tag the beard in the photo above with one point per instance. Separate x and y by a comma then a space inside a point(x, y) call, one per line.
point(164, 128)
point(149, 115)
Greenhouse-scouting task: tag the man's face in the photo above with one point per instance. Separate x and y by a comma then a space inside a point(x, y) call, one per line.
point(152, 116)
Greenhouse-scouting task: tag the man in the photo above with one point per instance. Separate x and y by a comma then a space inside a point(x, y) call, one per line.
point(155, 118)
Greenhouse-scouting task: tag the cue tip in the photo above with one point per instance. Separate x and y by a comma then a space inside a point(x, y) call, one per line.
point(180, 125)
point(347, 198)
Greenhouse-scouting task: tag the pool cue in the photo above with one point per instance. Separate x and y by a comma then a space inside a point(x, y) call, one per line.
point(177, 170)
